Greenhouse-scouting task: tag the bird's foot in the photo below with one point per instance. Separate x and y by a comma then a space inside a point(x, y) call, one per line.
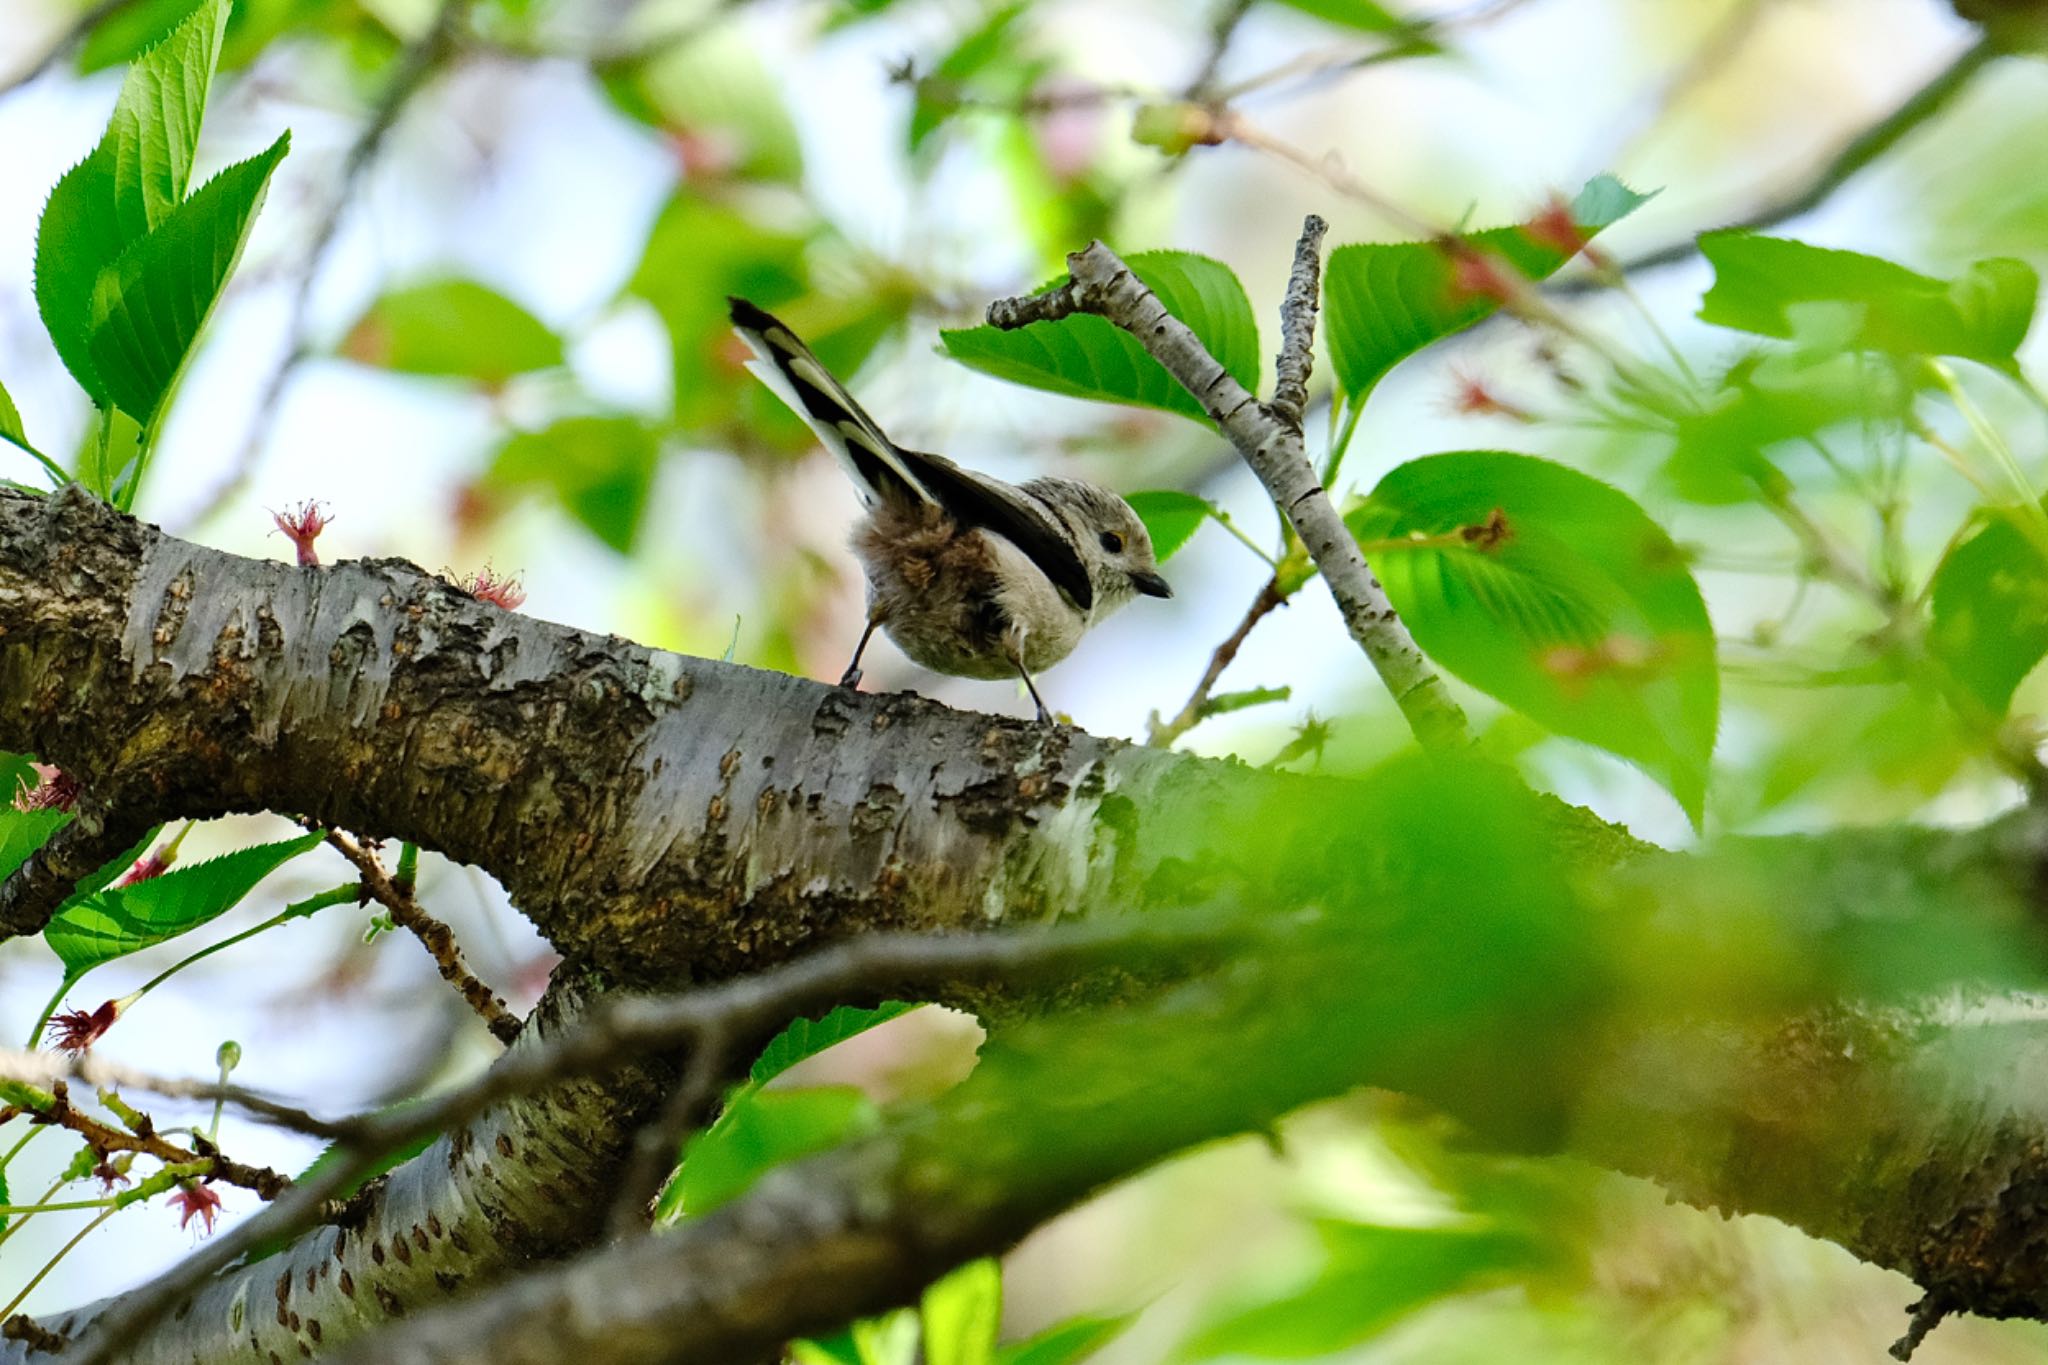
point(850, 679)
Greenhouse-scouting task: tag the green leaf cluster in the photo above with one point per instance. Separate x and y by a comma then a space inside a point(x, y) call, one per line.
point(128, 265)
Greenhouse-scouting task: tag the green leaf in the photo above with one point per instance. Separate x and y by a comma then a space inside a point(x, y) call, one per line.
point(1990, 606)
point(1365, 15)
point(10, 421)
point(1073, 1340)
point(452, 327)
point(1170, 517)
point(718, 103)
point(1777, 287)
point(600, 468)
point(806, 1038)
point(1723, 449)
point(154, 131)
point(107, 463)
point(886, 1339)
point(102, 925)
point(962, 1314)
point(129, 184)
point(697, 253)
point(1573, 608)
point(1089, 357)
point(760, 1130)
point(1373, 1277)
point(22, 832)
point(986, 47)
point(76, 238)
point(149, 306)
point(1384, 302)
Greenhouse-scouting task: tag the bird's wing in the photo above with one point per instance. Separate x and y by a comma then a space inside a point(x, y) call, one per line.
point(883, 470)
point(800, 379)
point(1009, 512)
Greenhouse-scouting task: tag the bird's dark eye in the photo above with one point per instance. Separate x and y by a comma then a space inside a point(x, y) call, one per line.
point(1112, 542)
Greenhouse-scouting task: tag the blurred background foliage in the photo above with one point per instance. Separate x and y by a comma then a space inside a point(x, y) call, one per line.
point(482, 318)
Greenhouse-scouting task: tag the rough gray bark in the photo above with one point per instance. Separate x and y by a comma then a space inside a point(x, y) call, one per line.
point(664, 818)
point(669, 821)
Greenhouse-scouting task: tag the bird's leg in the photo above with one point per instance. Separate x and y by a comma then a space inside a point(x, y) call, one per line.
point(1044, 716)
point(851, 677)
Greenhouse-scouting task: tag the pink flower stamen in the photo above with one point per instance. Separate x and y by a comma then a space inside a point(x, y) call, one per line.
point(55, 789)
point(485, 586)
point(195, 1200)
point(302, 525)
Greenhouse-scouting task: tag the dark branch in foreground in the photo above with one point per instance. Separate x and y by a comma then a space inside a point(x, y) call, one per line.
point(620, 1028)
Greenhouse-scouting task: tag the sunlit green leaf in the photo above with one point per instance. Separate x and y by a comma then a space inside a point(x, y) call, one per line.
point(100, 926)
point(600, 468)
point(452, 327)
point(130, 183)
point(961, 1315)
point(806, 1038)
point(106, 462)
point(154, 131)
point(1777, 287)
point(1070, 1341)
point(759, 1130)
point(150, 305)
point(1170, 517)
point(10, 421)
point(886, 1339)
point(1085, 356)
point(1367, 15)
point(1724, 449)
point(1554, 593)
point(1384, 302)
point(22, 832)
point(1990, 605)
point(987, 49)
point(719, 104)
point(1373, 1277)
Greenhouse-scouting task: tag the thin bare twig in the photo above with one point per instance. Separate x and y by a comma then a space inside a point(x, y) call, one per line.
point(1162, 734)
point(48, 1069)
point(141, 1136)
point(658, 1146)
point(1855, 157)
point(435, 936)
point(1100, 283)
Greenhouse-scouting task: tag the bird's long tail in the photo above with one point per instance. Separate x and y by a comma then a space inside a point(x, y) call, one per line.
point(800, 379)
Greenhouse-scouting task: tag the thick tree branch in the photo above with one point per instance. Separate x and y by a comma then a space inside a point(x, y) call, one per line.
point(1271, 444)
point(677, 820)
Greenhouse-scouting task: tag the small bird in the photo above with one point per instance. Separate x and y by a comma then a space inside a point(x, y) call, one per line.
point(969, 575)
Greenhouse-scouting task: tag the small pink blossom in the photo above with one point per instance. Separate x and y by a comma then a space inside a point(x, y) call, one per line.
point(1473, 396)
point(485, 586)
point(1479, 274)
point(55, 789)
point(302, 526)
point(111, 1172)
point(195, 1200)
point(154, 863)
point(1554, 226)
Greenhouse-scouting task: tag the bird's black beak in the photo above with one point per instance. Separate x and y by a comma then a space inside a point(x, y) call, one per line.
point(1151, 584)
